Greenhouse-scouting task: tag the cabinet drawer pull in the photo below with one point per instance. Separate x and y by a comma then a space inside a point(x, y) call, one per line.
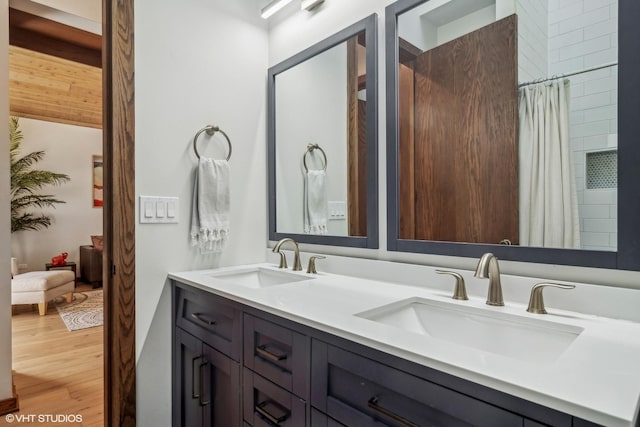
point(198, 316)
point(262, 351)
point(276, 419)
point(195, 391)
point(203, 380)
point(373, 404)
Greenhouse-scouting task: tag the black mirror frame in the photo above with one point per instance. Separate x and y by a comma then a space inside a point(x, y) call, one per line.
point(370, 29)
point(628, 255)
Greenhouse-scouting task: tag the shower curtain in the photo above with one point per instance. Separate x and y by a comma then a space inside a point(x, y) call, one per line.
point(548, 198)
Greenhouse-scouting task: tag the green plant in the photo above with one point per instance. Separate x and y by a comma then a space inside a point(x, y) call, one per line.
point(26, 182)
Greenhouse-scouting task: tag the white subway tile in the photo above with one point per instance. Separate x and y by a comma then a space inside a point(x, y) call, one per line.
point(586, 47)
point(613, 240)
point(580, 195)
point(596, 4)
point(568, 66)
point(553, 30)
point(576, 118)
point(602, 197)
point(590, 129)
point(613, 126)
point(594, 239)
point(597, 142)
point(567, 12)
point(609, 112)
point(591, 101)
point(609, 26)
point(594, 211)
point(588, 18)
point(601, 225)
point(566, 39)
point(600, 58)
point(600, 85)
point(576, 90)
point(579, 184)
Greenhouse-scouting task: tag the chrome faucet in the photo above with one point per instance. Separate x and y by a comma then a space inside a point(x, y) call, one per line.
point(488, 268)
point(297, 265)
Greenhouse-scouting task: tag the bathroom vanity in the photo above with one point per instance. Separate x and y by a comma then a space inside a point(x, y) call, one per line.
point(260, 346)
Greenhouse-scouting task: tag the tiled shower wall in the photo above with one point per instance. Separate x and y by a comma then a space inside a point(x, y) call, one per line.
point(583, 34)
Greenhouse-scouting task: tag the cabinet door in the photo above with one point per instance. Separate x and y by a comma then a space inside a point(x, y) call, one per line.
point(187, 396)
point(220, 389)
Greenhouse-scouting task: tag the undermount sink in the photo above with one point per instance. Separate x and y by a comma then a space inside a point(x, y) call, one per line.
point(520, 337)
point(259, 277)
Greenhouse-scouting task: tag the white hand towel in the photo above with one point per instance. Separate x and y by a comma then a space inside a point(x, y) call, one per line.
point(210, 206)
point(315, 202)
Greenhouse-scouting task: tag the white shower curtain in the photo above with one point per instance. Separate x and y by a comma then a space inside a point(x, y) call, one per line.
point(548, 198)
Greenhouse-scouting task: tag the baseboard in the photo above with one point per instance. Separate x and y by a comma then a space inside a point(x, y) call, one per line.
point(11, 404)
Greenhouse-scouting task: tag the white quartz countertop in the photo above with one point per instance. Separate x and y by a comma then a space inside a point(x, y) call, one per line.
point(596, 378)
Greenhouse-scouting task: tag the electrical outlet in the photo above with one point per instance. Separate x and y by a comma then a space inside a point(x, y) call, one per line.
point(22, 266)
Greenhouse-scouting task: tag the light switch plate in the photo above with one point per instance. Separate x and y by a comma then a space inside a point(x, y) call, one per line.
point(158, 210)
point(337, 210)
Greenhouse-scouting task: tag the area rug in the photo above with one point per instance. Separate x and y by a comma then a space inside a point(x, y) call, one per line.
point(85, 311)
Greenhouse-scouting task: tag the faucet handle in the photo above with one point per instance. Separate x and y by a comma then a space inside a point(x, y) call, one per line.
point(536, 303)
point(460, 291)
point(283, 260)
point(311, 268)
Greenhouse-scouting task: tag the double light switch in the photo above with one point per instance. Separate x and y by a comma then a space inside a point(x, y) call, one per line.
point(158, 210)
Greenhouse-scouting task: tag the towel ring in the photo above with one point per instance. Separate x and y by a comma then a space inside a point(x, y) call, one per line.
point(210, 130)
point(310, 148)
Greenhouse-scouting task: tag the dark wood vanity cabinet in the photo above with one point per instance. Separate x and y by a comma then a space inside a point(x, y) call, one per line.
point(234, 366)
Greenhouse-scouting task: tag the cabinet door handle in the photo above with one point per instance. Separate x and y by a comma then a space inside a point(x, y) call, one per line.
point(198, 316)
point(373, 404)
point(260, 408)
point(195, 391)
point(262, 351)
point(203, 379)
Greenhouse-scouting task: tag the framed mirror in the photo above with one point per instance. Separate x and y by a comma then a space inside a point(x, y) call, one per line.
point(512, 128)
point(322, 141)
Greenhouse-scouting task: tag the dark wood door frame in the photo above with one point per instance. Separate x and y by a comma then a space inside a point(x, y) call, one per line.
point(119, 214)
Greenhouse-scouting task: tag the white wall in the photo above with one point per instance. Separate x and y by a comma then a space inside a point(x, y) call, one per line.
point(68, 149)
point(311, 100)
point(5, 227)
point(584, 34)
point(198, 62)
point(297, 30)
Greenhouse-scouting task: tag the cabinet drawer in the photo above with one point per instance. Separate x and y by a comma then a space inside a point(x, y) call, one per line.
point(277, 353)
point(265, 404)
point(356, 391)
point(209, 318)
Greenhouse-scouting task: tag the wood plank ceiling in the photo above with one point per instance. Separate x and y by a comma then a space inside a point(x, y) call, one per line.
point(54, 71)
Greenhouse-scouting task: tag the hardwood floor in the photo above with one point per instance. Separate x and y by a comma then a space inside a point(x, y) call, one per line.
point(57, 372)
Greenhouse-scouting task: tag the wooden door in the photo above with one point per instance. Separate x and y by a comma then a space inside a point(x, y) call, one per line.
point(464, 151)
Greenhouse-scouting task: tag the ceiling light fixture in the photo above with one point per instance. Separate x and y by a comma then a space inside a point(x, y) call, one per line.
point(273, 7)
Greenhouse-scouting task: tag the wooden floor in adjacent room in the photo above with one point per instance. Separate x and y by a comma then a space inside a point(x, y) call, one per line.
point(57, 372)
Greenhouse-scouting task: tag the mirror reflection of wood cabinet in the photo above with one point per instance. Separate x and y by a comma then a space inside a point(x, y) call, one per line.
point(458, 128)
